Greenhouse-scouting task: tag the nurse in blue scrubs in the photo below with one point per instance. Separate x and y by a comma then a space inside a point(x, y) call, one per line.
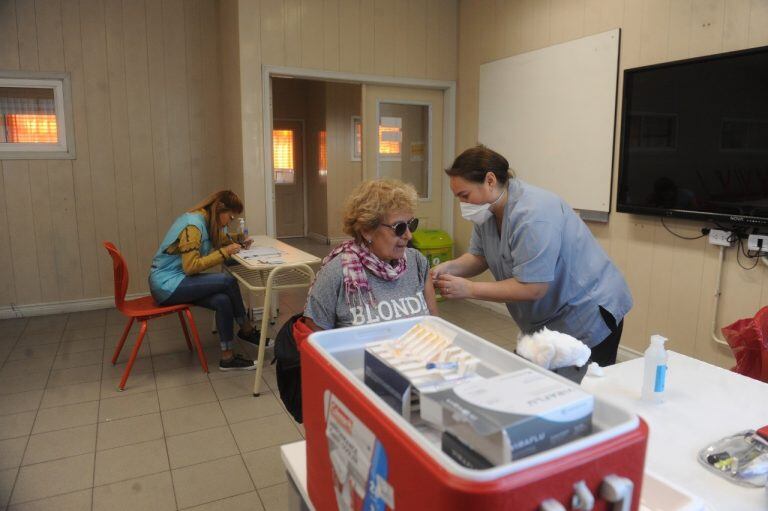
point(549, 269)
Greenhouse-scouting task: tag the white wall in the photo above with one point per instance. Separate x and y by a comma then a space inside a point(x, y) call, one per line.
point(672, 280)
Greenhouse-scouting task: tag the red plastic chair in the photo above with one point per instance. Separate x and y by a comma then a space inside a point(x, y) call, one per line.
point(143, 309)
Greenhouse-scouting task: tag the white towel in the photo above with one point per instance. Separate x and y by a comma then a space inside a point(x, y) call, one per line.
point(553, 350)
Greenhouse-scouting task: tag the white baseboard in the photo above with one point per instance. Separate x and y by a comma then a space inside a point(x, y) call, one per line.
point(494, 306)
point(325, 240)
point(318, 237)
point(625, 354)
point(338, 240)
point(44, 309)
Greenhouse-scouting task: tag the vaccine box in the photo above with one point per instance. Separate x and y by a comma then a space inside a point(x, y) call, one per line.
point(398, 371)
point(362, 453)
point(509, 416)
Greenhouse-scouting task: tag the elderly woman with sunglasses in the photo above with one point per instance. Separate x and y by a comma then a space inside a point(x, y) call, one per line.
point(375, 276)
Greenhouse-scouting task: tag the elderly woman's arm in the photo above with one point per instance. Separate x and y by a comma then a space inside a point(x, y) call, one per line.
point(311, 324)
point(320, 308)
point(429, 296)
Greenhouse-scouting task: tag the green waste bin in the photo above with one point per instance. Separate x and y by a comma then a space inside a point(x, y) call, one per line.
point(436, 245)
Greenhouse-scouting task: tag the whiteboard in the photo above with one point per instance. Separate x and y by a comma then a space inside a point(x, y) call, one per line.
point(551, 113)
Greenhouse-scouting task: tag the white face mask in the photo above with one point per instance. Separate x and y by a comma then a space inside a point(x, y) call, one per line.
point(478, 213)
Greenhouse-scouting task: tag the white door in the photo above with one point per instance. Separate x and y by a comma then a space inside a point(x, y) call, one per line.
point(403, 139)
point(288, 177)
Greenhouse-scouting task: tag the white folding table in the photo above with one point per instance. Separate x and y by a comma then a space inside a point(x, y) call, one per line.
point(267, 276)
point(703, 403)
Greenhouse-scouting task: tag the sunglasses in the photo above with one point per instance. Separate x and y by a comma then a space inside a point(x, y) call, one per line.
point(400, 227)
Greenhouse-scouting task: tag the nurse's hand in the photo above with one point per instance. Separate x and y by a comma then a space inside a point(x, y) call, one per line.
point(441, 269)
point(454, 287)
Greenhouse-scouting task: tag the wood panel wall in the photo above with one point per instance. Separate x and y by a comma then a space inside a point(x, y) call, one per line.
point(342, 102)
point(167, 101)
point(148, 130)
point(317, 185)
point(403, 38)
point(672, 280)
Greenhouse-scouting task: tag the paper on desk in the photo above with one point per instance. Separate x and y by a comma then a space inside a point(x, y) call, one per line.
point(263, 259)
point(270, 260)
point(259, 252)
point(264, 255)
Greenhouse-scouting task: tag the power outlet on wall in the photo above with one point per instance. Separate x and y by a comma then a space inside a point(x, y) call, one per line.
point(757, 243)
point(721, 238)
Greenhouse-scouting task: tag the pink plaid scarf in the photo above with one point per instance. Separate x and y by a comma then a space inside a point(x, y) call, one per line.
point(355, 258)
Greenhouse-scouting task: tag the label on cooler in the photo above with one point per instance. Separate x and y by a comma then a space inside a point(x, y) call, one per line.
point(359, 461)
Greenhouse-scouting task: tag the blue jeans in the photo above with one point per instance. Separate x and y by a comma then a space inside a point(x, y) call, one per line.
point(218, 292)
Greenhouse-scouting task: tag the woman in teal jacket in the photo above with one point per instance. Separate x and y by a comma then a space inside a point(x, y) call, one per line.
point(197, 241)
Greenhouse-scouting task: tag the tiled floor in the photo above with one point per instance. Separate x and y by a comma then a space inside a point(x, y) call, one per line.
point(176, 438)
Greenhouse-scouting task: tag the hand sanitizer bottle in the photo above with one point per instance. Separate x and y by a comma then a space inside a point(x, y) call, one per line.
point(655, 375)
point(242, 232)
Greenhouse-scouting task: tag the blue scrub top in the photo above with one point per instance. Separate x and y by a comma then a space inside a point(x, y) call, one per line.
point(543, 240)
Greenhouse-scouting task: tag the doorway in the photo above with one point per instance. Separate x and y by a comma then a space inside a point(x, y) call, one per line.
point(288, 175)
point(308, 202)
point(416, 114)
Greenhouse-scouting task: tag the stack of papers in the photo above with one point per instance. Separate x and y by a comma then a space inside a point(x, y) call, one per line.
point(265, 255)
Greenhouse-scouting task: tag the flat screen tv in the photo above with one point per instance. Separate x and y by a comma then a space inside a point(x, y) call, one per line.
point(694, 139)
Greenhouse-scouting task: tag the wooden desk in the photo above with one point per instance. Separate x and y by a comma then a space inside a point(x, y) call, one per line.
point(293, 271)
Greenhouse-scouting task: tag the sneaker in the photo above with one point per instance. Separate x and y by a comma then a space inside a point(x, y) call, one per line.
point(253, 338)
point(237, 363)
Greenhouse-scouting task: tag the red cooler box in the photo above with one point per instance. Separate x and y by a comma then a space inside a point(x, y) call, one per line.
point(362, 454)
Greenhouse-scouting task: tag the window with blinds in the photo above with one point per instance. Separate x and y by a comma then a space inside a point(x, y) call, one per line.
point(29, 116)
point(322, 156)
point(357, 138)
point(282, 157)
point(390, 137)
point(32, 116)
point(404, 144)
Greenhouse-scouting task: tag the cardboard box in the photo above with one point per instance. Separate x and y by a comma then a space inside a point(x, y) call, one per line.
point(508, 417)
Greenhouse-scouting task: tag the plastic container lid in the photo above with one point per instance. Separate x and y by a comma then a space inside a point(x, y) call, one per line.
point(431, 238)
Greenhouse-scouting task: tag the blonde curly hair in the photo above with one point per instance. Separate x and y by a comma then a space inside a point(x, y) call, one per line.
point(371, 201)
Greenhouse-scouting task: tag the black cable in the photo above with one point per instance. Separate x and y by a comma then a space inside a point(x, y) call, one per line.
point(741, 249)
point(679, 235)
point(728, 229)
point(746, 251)
point(736, 236)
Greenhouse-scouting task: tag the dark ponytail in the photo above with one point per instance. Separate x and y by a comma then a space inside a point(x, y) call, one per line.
point(474, 163)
